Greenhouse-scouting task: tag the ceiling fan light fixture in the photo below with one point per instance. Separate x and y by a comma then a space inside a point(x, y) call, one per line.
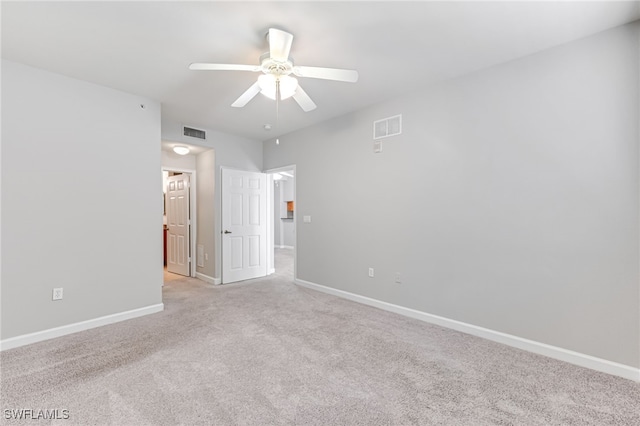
point(288, 86)
point(181, 150)
point(268, 82)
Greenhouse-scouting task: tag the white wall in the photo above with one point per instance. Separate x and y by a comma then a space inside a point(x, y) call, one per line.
point(179, 162)
point(80, 198)
point(288, 234)
point(230, 151)
point(510, 201)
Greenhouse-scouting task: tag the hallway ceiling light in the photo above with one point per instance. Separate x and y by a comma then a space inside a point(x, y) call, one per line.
point(181, 150)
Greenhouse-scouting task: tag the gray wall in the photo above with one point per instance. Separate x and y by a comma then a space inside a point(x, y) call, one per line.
point(230, 151)
point(510, 200)
point(78, 162)
point(206, 181)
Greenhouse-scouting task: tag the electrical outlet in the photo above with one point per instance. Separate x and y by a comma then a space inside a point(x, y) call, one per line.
point(206, 256)
point(370, 272)
point(398, 278)
point(57, 293)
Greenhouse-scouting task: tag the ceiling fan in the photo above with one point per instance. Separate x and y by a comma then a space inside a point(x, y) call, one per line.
point(276, 81)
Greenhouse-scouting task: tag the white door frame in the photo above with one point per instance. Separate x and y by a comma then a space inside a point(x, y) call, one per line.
point(192, 213)
point(271, 219)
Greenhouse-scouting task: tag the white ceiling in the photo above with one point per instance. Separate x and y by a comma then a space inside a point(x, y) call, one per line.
point(145, 48)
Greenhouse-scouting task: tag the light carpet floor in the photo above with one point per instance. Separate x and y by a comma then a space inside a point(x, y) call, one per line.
point(267, 352)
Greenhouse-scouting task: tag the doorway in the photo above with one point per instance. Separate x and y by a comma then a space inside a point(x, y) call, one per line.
point(283, 212)
point(178, 222)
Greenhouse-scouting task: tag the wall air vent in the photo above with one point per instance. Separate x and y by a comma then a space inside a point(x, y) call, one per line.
point(194, 133)
point(386, 127)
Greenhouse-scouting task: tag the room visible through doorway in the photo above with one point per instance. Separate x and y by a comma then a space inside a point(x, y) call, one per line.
point(284, 220)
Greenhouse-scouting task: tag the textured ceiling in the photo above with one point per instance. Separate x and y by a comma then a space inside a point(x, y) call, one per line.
point(145, 48)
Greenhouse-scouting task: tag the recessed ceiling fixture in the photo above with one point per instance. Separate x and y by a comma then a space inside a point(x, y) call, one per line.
point(181, 150)
point(276, 66)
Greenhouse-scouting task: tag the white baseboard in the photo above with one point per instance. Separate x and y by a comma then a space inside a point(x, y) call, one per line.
point(555, 352)
point(286, 247)
point(208, 279)
point(27, 339)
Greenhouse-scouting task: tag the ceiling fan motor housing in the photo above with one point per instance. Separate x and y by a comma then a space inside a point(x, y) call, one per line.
point(272, 66)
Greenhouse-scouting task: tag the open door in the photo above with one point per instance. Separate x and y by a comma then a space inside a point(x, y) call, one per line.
point(178, 256)
point(244, 225)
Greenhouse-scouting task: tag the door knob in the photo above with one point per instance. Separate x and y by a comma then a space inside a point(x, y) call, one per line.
point(227, 232)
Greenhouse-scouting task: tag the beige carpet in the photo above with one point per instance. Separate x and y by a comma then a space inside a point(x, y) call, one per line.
point(168, 276)
point(267, 352)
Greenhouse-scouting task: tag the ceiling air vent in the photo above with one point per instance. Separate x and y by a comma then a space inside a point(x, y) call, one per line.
point(386, 127)
point(194, 133)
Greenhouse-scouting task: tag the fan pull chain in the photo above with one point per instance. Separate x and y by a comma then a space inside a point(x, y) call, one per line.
point(277, 107)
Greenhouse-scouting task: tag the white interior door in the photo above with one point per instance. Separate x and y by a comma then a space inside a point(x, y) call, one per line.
point(244, 225)
point(178, 222)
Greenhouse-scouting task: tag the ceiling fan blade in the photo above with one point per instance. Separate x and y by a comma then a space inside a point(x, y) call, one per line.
point(304, 100)
point(350, 76)
point(223, 67)
point(279, 44)
point(247, 96)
